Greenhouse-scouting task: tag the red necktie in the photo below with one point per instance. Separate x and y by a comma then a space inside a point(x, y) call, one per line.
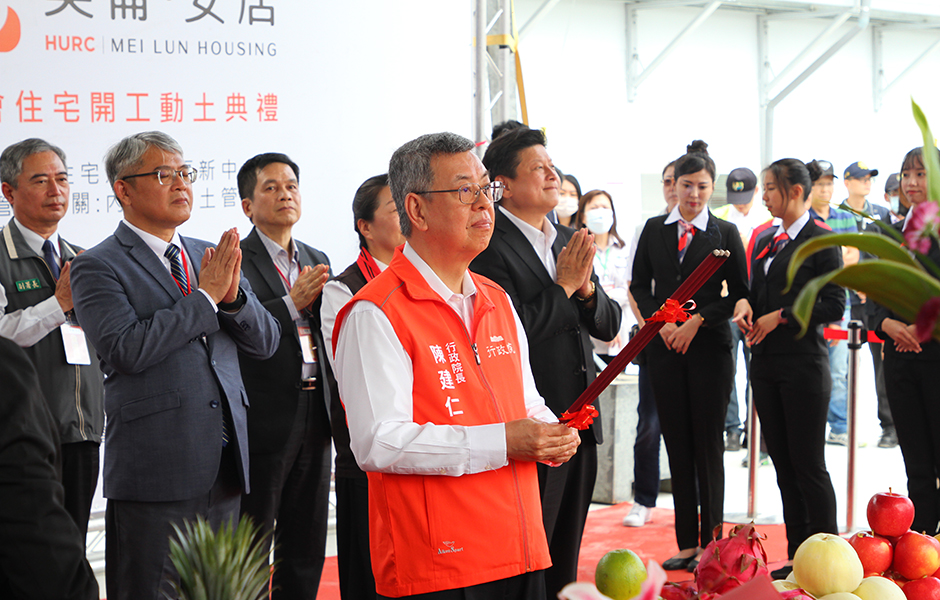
point(771, 250)
point(688, 230)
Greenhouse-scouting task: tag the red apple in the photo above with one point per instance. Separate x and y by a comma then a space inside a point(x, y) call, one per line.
point(927, 588)
point(890, 514)
point(875, 552)
point(916, 555)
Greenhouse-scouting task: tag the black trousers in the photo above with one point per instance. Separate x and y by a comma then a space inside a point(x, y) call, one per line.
point(80, 468)
point(914, 394)
point(528, 586)
point(791, 393)
point(566, 497)
point(692, 392)
point(353, 559)
point(290, 497)
point(137, 543)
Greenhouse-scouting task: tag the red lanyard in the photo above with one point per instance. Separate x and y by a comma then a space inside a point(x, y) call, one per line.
point(286, 280)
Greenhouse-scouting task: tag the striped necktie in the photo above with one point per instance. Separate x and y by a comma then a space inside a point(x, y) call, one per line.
point(771, 250)
point(180, 276)
point(688, 231)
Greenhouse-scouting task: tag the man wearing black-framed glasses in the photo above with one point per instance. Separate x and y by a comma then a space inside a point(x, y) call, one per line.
point(167, 315)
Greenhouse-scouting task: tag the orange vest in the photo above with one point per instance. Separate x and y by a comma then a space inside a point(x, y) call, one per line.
point(431, 533)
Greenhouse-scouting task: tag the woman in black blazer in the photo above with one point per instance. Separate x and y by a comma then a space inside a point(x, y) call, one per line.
point(690, 364)
point(790, 378)
point(912, 377)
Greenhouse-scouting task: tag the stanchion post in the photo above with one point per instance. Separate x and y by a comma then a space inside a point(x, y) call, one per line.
point(753, 456)
point(855, 344)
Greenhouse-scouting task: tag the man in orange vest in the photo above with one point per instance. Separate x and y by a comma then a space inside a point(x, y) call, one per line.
point(433, 369)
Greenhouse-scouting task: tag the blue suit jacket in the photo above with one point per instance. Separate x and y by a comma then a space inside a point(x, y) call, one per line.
point(167, 360)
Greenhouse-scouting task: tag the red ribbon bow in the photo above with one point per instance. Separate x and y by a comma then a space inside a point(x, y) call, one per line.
point(673, 312)
point(580, 420)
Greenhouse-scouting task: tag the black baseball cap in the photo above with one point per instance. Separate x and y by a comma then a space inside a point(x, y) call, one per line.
point(859, 169)
point(893, 183)
point(826, 166)
point(741, 183)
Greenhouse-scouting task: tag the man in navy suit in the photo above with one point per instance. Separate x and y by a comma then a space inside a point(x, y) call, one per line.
point(289, 426)
point(167, 316)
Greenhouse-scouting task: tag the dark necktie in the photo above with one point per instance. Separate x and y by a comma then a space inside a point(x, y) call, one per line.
point(176, 268)
point(688, 231)
point(48, 253)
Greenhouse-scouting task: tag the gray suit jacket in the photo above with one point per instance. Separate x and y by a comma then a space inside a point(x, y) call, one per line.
point(167, 360)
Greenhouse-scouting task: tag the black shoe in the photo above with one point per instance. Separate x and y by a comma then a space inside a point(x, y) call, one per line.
point(692, 565)
point(678, 564)
point(781, 573)
point(889, 438)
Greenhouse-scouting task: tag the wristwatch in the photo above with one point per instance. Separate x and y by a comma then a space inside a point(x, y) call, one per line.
point(233, 306)
point(589, 296)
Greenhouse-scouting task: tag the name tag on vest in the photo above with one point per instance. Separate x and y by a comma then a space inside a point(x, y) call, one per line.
point(28, 285)
point(76, 350)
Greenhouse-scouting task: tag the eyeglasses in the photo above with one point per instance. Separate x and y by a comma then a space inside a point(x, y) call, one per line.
point(167, 176)
point(668, 181)
point(470, 193)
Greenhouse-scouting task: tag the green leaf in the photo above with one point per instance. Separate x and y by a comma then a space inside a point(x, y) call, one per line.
point(872, 243)
point(931, 161)
point(908, 290)
point(885, 227)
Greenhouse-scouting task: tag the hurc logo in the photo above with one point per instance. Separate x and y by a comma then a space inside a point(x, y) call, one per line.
point(10, 33)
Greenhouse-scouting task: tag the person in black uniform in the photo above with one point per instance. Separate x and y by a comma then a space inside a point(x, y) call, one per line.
point(790, 377)
point(690, 364)
point(911, 368)
point(375, 219)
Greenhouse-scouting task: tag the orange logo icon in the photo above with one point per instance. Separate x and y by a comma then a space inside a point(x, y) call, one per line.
point(10, 34)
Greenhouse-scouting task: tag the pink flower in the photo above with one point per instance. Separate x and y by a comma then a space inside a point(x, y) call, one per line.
point(921, 226)
point(927, 319)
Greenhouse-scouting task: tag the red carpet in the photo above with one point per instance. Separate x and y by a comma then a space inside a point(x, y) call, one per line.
point(603, 532)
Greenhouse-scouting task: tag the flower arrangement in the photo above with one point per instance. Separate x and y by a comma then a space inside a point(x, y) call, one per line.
point(901, 278)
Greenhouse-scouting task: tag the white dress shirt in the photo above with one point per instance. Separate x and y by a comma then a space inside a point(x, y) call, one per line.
point(376, 377)
point(28, 325)
point(541, 240)
point(335, 296)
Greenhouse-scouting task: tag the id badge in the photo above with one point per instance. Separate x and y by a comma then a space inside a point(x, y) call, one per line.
point(76, 349)
point(306, 344)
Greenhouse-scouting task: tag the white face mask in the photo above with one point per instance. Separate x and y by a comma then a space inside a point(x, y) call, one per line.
point(599, 220)
point(567, 206)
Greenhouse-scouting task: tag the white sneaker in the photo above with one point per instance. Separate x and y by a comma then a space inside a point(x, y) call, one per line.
point(639, 516)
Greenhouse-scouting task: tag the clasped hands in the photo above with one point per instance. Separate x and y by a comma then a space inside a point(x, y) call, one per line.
point(220, 270)
point(755, 331)
point(575, 264)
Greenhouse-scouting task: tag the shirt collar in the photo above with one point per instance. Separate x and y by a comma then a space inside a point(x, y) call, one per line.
point(796, 227)
point(34, 240)
point(535, 236)
point(433, 281)
point(275, 249)
point(700, 221)
point(157, 245)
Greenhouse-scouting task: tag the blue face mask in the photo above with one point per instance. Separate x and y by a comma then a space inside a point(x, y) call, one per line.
point(895, 203)
point(599, 220)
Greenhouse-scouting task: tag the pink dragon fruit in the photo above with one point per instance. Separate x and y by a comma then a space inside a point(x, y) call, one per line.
point(732, 561)
point(678, 591)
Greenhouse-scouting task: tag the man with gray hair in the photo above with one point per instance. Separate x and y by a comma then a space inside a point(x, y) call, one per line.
point(36, 312)
point(167, 315)
point(433, 369)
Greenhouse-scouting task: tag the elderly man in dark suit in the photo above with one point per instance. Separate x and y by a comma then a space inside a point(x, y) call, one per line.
point(42, 552)
point(547, 270)
point(36, 311)
point(288, 426)
point(167, 316)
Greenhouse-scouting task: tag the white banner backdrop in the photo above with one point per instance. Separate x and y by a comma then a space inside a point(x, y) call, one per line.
point(335, 85)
